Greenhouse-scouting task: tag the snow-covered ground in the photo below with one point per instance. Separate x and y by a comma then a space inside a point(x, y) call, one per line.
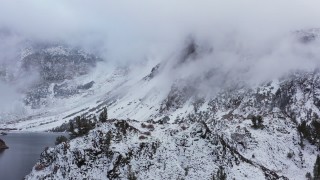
point(204, 131)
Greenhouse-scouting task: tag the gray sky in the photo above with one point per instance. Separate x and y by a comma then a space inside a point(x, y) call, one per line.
point(250, 35)
point(138, 27)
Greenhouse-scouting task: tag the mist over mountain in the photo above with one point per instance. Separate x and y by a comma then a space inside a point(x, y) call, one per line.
point(232, 82)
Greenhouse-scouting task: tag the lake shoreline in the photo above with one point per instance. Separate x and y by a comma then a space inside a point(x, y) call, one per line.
point(24, 152)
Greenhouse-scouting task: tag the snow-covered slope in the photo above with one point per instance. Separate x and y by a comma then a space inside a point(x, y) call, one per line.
point(73, 82)
point(200, 136)
point(193, 149)
point(199, 121)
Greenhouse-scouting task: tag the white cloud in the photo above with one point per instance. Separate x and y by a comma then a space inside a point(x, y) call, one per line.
point(245, 35)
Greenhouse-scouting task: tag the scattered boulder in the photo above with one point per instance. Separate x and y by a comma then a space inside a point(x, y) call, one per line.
point(3, 145)
point(3, 133)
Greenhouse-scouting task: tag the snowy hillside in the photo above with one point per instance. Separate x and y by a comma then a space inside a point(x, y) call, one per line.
point(171, 151)
point(202, 135)
point(191, 148)
point(183, 117)
point(73, 82)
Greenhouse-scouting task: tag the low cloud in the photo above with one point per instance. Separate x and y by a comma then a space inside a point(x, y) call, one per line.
point(10, 103)
point(247, 39)
point(127, 30)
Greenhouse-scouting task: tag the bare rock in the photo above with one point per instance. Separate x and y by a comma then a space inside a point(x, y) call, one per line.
point(3, 145)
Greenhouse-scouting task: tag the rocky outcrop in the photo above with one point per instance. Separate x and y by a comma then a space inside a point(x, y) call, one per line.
point(128, 149)
point(3, 145)
point(55, 65)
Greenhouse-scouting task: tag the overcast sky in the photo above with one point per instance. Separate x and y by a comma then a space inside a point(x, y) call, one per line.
point(127, 30)
point(137, 27)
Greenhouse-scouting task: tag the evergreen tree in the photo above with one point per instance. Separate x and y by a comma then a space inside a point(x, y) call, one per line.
point(83, 125)
point(308, 176)
point(71, 127)
point(221, 175)
point(94, 120)
point(78, 122)
point(254, 121)
point(316, 132)
point(103, 117)
point(109, 138)
point(131, 174)
point(304, 129)
point(316, 169)
point(61, 139)
point(86, 125)
point(260, 121)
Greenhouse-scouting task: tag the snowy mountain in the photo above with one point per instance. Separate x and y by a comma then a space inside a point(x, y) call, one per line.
point(184, 117)
point(202, 137)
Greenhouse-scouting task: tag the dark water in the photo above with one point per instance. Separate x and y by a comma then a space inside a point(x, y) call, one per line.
point(24, 151)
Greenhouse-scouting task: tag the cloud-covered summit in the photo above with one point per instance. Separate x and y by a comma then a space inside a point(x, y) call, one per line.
point(246, 40)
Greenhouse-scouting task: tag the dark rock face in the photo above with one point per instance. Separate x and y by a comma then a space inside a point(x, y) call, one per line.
point(55, 64)
point(308, 35)
point(3, 145)
point(58, 63)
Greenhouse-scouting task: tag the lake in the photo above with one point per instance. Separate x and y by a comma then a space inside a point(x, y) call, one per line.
point(23, 153)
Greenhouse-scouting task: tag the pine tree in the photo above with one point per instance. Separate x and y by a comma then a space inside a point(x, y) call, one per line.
point(79, 125)
point(78, 121)
point(254, 121)
point(103, 115)
point(61, 139)
point(94, 120)
point(131, 174)
point(71, 127)
point(83, 125)
point(221, 175)
point(304, 129)
point(316, 169)
point(260, 121)
point(308, 176)
point(108, 138)
point(86, 125)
